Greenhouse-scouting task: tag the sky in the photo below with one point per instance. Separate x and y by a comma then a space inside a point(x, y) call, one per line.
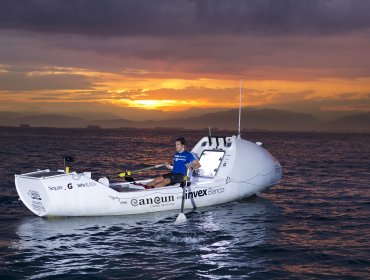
point(137, 59)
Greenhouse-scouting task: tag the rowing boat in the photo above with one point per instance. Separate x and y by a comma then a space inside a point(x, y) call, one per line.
point(231, 169)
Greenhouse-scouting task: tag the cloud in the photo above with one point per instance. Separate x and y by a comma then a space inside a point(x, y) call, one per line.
point(289, 52)
point(169, 18)
point(42, 79)
point(289, 58)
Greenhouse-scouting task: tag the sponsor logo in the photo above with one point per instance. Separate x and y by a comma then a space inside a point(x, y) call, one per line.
point(55, 188)
point(118, 199)
point(37, 206)
point(195, 194)
point(85, 185)
point(152, 201)
point(205, 192)
point(34, 194)
point(212, 191)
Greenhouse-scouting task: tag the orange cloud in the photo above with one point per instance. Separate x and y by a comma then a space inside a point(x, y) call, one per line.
point(144, 89)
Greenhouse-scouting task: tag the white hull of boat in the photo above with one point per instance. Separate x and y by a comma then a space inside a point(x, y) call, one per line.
point(243, 169)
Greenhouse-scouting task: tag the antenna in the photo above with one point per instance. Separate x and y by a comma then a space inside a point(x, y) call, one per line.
point(240, 107)
point(209, 131)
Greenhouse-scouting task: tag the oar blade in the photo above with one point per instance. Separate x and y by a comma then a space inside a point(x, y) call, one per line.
point(181, 218)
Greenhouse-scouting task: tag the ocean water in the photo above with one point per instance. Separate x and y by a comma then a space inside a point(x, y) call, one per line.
point(314, 225)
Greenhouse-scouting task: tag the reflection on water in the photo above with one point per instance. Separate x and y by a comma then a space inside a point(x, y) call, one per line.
point(211, 240)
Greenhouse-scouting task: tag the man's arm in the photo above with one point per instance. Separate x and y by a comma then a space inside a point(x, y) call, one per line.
point(194, 164)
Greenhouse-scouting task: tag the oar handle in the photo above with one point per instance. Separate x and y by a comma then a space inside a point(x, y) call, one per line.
point(128, 173)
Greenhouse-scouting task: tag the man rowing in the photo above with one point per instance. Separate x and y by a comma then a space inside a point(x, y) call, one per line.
point(182, 160)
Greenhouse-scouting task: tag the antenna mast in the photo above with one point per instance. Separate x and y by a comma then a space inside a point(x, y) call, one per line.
point(240, 107)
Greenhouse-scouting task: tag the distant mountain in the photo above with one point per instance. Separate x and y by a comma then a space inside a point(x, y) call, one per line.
point(55, 120)
point(44, 120)
point(117, 123)
point(263, 119)
point(260, 119)
point(88, 115)
point(6, 118)
point(192, 112)
point(358, 122)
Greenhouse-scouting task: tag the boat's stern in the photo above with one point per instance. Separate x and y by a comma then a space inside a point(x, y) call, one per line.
point(58, 193)
point(32, 191)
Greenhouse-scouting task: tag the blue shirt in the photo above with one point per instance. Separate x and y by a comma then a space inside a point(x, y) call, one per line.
point(179, 161)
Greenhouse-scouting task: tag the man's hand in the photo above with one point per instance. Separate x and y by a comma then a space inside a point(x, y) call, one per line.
point(168, 165)
point(189, 165)
point(194, 165)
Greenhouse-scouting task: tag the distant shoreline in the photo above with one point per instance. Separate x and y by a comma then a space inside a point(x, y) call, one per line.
point(215, 131)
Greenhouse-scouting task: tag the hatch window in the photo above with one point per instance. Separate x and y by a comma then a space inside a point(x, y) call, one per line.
point(210, 161)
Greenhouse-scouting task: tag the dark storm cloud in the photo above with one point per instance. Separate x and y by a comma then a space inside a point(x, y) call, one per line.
point(13, 81)
point(169, 18)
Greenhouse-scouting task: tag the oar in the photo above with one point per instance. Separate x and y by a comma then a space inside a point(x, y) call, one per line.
point(181, 217)
point(127, 174)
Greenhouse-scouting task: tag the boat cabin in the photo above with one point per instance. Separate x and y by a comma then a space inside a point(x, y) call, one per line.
point(210, 161)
